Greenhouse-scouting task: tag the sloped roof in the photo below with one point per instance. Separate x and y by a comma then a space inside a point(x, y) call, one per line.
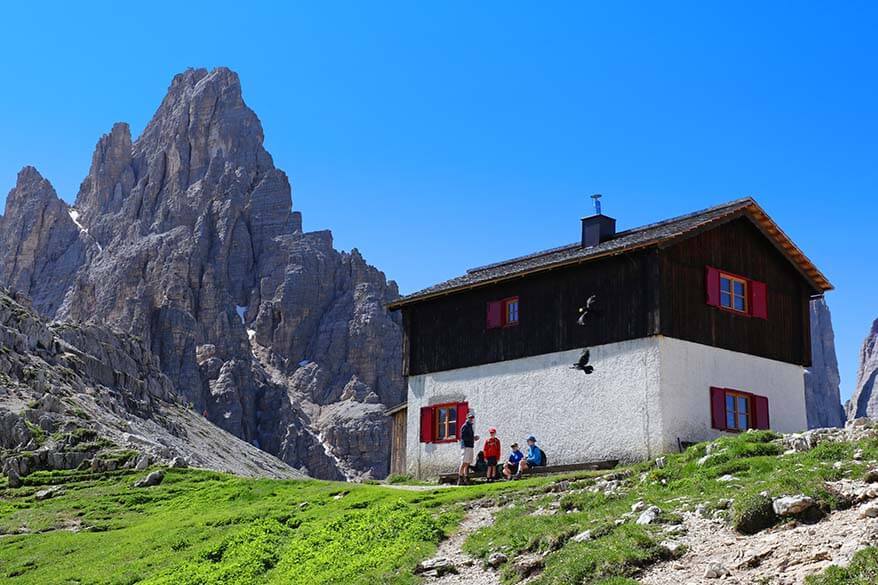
point(660, 233)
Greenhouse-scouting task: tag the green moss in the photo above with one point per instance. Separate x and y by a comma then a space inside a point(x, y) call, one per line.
point(752, 513)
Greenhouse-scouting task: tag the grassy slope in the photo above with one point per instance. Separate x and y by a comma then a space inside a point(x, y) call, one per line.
point(205, 527)
point(209, 528)
point(616, 555)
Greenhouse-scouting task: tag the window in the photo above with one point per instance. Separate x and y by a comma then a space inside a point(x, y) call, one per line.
point(733, 293)
point(736, 410)
point(502, 313)
point(736, 294)
point(440, 423)
point(446, 423)
point(511, 312)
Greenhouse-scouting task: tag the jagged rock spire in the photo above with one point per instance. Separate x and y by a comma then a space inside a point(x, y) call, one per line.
point(42, 249)
point(822, 380)
point(864, 402)
point(197, 251)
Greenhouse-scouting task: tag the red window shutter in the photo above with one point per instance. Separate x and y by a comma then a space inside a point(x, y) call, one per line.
point(718, 408)
point(462, 411)
point(713, 287)
point(495, 314)
point(427, 424)
point(760, 411)
point(758, 299)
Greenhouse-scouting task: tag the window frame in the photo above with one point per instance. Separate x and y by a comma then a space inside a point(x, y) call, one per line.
point(749, 414)
point(506, 304)
point(434, 422)
point(733, 278)
point(438, 423)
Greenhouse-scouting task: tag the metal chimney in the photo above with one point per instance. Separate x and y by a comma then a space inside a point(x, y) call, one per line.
point(597, 228)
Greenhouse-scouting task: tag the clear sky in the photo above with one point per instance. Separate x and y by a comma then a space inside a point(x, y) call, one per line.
point(444, 135)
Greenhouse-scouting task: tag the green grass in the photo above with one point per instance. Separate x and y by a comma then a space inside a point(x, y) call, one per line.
point(205, 528)
point(616, 554)
point(863, 570)
point(201, 527)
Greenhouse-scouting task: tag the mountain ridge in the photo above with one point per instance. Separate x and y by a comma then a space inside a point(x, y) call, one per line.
point(187, 237)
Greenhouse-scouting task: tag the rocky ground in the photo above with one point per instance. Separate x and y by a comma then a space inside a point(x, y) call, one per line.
point(704, 542)
point(83, 396)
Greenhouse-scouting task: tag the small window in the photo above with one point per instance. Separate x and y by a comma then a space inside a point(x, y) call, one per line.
point(733, 293)
point(440, 423)
point(446, 422)
point(737, 411)
point(502, 313)
point(510, 313)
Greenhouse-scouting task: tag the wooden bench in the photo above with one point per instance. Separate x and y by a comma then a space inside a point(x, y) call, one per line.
point(590, 466)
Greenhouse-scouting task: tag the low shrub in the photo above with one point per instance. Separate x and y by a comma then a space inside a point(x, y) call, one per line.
point(752, 513)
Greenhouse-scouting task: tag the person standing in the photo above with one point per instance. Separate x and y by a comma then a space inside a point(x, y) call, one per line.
point(468, 440)
point(492, 454)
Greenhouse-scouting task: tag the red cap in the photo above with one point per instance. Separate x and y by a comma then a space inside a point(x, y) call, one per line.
point(492, 430)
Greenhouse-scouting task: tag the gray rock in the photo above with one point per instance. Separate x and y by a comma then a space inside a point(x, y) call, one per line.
point(496, 559)
point(584, 536)
point(93, 392)
point(650, 515)
point(869, 510)
point(822, 396)
point(716, 571)
point(435, 567)
point(154, 478)
point(13, 479)
point(186, 238)
point(178, 463)
point(792, 505)
point(142, 462)
point(864, 402)
point(47, 493)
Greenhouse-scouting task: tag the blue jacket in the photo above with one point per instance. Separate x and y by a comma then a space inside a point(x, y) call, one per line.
point(515, 457)
point(534, 455)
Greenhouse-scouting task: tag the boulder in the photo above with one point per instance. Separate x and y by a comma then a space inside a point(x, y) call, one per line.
point(496, 559)
point(153, 479)
point(792, 505)
point(13, 478)
point(435, 567)
point(650, 515)
point(716, 571)
point(178, 463)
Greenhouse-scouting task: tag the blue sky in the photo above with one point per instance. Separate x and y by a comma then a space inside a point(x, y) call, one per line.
point(440, 136)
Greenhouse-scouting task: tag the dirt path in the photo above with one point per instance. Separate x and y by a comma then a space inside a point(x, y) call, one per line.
point(783, 556)
point(469, 570)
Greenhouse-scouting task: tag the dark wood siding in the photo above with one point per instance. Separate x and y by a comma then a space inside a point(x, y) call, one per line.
point(738, 247)
point(450, 332)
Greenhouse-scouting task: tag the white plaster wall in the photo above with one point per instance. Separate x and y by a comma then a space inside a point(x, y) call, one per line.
point(688, 370)
point(613, 413)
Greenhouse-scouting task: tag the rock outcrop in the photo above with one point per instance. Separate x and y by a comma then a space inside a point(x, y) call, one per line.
point(82, 396)
point(864, 402)
point(822, 380)
point(186, 238)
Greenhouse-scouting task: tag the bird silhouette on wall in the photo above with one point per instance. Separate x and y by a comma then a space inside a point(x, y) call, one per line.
point(589, 311)
point(582, 363)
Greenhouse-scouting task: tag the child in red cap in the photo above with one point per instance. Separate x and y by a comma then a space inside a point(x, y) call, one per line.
point(492, 454)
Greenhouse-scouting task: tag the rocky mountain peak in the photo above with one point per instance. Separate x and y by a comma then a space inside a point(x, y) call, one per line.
point(30, 189)
point(186, 238)
point(41, 242)
point(822, 380)
point(864, 402)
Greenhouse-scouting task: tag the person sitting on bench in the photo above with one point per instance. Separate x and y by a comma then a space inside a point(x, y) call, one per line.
point(535, 456)
point(510, 468)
